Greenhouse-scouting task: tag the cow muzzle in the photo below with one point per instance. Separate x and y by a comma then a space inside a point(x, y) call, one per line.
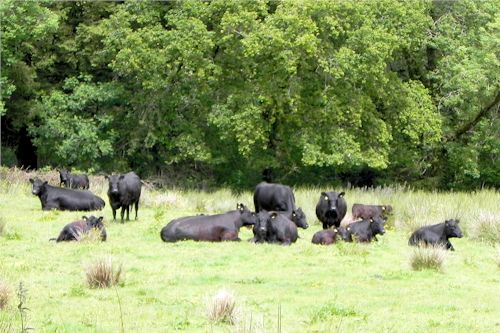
point(331, 213)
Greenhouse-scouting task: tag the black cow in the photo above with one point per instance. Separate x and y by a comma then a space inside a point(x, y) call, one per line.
point(278, 197)
point(331, 209)
point(329, 236)
point(366, 230)
point(274, 227)
point(212, 228)
point(75, 230)
point(73, 181)
point(360, 211)
point(437, 234)
point(63, 198)
point(124, 191)
point(273, 197)
point(297, 216)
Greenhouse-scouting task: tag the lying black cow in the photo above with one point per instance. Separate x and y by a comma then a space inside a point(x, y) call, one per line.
point(360, 211)
point(437, 234)
point(65, 199)
point(329, 236)
point(75, 230)
point(212, 228)
point(331, 209)
point(274, 227)
point(73, 181)
point(278, 197)
point(366, 230)
point(124, 191)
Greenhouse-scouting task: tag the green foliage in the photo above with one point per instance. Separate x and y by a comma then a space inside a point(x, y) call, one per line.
point(408, 90)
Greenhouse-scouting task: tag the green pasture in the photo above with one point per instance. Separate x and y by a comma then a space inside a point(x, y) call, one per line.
point(340, 288)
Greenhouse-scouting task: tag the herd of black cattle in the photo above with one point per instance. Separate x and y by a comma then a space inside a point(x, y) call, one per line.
point(275, 220)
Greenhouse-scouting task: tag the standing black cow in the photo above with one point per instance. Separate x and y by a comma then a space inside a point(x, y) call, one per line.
point(64, 199)
point(278, 197)
point(124, 191)
point(212, 228)
point(274, 227)
point(75, 230)
point(437, 234)
point(73, 181)
point(366, 230)
point(331, 209)
point(329, 236)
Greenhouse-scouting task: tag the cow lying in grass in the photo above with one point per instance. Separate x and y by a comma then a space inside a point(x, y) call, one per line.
point(77, 230)
point(437, 234)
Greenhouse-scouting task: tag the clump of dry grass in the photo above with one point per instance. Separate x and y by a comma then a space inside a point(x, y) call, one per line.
point(103, 273)
point(4, 294)
point(90, 236)
point(486, 228)
point(222, 307)
point(428, 257)
point(2, 226)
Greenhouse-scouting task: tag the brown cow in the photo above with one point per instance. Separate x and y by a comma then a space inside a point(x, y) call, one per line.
point(366, 212)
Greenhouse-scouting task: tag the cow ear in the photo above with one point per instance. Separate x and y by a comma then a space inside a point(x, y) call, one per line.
point(324, 196)
point(121, 177)
point(341, 194)
point(383, 207)
point(106, 177)
point(85, 218)
point(45, 182)
point(371, 220)
point(32, 180)
point(274, 215)
point(100, 218)
point(335, 230)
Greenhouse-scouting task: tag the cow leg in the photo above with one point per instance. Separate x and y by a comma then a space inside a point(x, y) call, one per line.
point(114, 213)
point(229, 235)
point(325, 226)
point(122, 212)
point(136, 208)
point(128, 211)
point(449, 246)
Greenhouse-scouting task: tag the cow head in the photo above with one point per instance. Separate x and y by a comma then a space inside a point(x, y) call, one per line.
point(377, 226)
point(114, 181)
point(262, 226)
point(64, 177)
point(299, 218)
point(94, 222)
point(247, 217)
point(38, 186)
point(386, 209)
point(345, 233)
point(330, 202)
point(452, 229)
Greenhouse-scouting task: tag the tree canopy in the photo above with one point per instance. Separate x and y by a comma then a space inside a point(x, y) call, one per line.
point(401, 91)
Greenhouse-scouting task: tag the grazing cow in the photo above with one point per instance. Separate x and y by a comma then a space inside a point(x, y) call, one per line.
point(365, 212)
point(277, 197)
point(437, 234)
point(366, 230)
point(124, 191)
point(63, 198)
point(331, 209)
point(211, 228)
point(329, 236)
point(273, 227)
point(73, 181)
point(75, 230)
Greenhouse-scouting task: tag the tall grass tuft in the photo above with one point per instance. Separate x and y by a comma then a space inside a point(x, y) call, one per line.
point(4, 294)
point(2, 226)
point(486, 228)
point(90, 236)
point(222, 308)
point(102, 273)
point(428, 257)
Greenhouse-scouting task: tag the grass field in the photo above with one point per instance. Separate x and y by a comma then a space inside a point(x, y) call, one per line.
point(301, 288)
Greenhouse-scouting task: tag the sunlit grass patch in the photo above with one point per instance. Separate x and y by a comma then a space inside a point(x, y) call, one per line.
point(497, 255)
point(428, 257)
point(2, 226)
point(103, 273)
point(90, 236)
point(486, 227)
